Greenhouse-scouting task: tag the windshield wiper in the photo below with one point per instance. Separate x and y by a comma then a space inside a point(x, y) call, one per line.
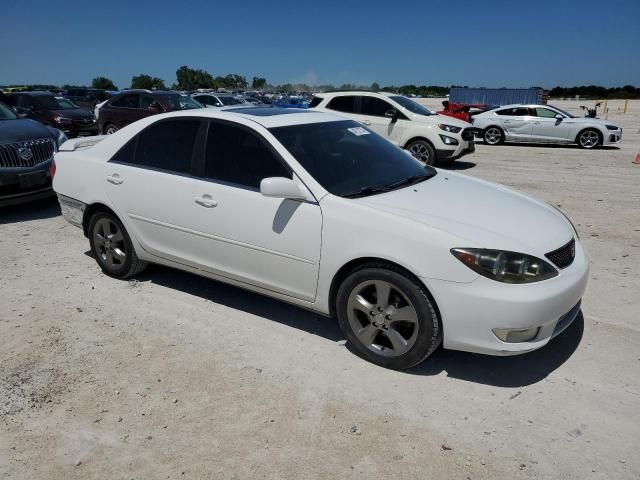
point(368, 190)
point(412, 180)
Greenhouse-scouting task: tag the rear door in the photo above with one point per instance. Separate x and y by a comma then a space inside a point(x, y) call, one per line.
point(547, 128)
point(517, 122)
point(149, 182)
point(272, 243)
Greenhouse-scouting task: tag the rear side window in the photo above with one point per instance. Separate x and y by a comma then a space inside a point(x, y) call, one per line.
point(374, 106)
point(235, 155)
point(126, 101)
point(515, 112)
point(545, 113)
point(315, 101)
point(167, 145)
point(345, 104)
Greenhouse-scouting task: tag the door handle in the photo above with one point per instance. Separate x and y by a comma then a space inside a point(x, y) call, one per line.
point(115, 179)
point(206, 201)
point(366, 122)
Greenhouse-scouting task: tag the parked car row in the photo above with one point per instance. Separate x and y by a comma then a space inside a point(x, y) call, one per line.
point(319, 210)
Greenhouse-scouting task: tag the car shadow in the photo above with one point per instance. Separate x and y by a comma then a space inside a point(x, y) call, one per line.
point(36, 210)
point(511, 371)
point(457, 165)
point(243, 300)
point(558, 146)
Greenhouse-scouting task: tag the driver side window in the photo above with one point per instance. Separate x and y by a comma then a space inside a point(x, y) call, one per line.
point(375, 107)
point(545, 113)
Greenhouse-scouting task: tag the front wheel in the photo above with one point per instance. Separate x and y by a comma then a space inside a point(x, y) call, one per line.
point(110, 129)
point(387, 317)
point(423, 151)
point(112, 247)
point(589, 138)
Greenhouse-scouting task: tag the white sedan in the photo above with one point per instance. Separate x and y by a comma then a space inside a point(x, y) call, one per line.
point(544, 124)
point(321, 212)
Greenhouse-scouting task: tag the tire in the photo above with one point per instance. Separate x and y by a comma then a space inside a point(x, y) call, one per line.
point(493, 135)
point(370, 327)
point(423, 151)
point(112, 247)
point(110, 129)
point(589, 138)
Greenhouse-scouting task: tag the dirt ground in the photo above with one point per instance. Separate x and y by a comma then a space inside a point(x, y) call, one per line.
point(175, 376)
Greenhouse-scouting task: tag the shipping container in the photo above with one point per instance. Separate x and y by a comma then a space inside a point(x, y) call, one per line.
point(497, 96)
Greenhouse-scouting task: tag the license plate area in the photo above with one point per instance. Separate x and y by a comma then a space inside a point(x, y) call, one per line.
point(33, 179)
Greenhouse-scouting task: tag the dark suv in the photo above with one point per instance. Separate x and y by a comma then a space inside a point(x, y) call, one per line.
point(132, 105)
point(54, 111)
point(87, 97)
point(26, 150)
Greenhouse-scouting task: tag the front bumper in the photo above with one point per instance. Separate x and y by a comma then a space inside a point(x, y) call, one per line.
point(465, 147)
point(471, 311)
point(24, 184)
point(612, 137)
point(79, 131)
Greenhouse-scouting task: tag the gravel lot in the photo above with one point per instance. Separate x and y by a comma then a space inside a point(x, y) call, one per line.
point(175, 376)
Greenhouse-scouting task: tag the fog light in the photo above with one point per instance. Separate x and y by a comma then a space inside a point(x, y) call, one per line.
point(516, 336)
point(448, 140)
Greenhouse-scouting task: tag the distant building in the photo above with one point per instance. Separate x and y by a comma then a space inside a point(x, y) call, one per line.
point(498, 96)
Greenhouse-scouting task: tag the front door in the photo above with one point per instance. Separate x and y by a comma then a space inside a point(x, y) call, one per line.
point(272, 243)
point(373, 114)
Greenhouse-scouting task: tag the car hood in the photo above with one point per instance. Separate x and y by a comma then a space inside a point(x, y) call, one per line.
point(481, 214)
point(591, 121)
point(12, 131)
point(75, 113)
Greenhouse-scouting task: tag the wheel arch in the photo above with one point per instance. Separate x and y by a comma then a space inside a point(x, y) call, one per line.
point(90, 210)
point(595, 129)
point(362, 262)
point(418, 137)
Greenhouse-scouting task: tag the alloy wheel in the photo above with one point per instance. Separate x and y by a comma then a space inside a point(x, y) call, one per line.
point(382, 317)
point(111, 130)
point(589, 139)
point(109, 243)
point(420, 151)
point(493, 136)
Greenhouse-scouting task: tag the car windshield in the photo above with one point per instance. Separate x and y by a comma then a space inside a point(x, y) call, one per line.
point(412, 106)
point(566, 114)
point(229, 101)
point(179, 102)
point(350, 160)
point(66, 103)
point(47, 102)
point(6, 113)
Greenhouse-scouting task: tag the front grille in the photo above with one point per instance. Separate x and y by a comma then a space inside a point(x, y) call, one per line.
point(28, 153)
point(83, 122)
point(563, 257)
point(468, 134)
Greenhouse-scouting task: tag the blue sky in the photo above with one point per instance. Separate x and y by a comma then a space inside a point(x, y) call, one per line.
point(475, 43)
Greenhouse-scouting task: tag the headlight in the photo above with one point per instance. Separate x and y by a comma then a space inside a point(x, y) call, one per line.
point(612, 127)
point(62, 120)
point(505, 267)
point(449, 128)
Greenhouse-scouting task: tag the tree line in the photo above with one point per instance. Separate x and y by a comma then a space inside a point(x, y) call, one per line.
point(192, 79)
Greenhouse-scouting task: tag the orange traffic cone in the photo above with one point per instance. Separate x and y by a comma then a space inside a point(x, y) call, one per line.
point(637, 160)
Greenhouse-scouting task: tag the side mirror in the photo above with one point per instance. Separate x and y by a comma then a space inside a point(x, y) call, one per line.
point(280, 187)
point(155, 107)
point(392, 114)
point(558, 117)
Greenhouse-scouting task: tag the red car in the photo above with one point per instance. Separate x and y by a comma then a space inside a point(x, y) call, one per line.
point(463, 111)
point(132, 105)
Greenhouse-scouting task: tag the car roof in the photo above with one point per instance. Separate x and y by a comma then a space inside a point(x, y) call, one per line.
point(268, 117)
point(355, 92)
point(35, 93)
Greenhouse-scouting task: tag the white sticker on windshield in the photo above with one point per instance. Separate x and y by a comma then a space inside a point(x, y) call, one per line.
point(358, 131)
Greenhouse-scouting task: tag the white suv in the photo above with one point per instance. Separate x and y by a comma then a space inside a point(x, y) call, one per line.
point(428, 136)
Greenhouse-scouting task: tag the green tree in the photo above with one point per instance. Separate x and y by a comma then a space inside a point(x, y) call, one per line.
point(375, 86)
point(190, 79)
point(258, 83)
point(103, 83)
point(147, 82)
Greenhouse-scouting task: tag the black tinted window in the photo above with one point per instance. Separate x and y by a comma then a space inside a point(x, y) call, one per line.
point(515, 112)
point(126, 101)
point(374, 106)
point(165, 145)
point(315, 101)
point(343, 104)
point(235, 155)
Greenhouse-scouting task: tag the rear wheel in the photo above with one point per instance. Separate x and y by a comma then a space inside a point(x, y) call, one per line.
point(387, 317)
point(493, 136)
point(110, 129)
point(423, 151)
point(112, 247)
point(589, 138)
